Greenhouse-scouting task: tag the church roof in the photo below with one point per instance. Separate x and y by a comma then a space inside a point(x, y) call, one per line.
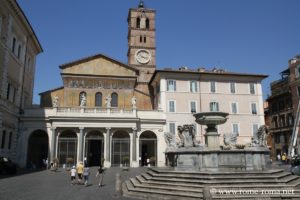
point(82, 60)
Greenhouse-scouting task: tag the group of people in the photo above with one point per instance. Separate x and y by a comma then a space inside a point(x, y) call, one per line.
point(283, 158)
point(83, 173)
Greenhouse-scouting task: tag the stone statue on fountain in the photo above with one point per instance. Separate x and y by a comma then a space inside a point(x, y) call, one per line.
point(260, 137)
point(187, 135)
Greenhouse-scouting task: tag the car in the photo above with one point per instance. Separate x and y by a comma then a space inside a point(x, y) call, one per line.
point(7, 166)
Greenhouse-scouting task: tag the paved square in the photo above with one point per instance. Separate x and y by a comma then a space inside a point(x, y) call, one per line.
point(48, 185)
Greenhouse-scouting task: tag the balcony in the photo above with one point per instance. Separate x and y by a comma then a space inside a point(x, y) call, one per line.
point(73, 112)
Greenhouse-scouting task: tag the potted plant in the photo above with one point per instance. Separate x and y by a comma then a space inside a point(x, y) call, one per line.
point(125, 162)
point(69, 162)
point(152, 160)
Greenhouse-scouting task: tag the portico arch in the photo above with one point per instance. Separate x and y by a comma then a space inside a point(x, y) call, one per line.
point(120, 148)
point(38, 145)
point(148, 148)
point(94, 148)
point(67, 147)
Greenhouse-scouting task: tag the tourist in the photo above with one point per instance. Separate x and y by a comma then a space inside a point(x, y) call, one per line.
point(283, 158)
point(80, 172)
point(100, 174)
point(86, 173)
point(73, 175)
point(278, 157)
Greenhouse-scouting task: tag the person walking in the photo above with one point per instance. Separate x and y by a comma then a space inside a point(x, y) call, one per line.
point(100, 174)
point(86, 173)
point(73, 175)
point(283, 158)
point(80, 172)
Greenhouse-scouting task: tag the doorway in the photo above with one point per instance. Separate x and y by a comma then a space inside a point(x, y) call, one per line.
point(37, 149)
point(148, 149)
point(94, 152)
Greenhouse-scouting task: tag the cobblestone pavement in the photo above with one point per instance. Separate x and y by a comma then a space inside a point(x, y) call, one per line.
point(48, 185)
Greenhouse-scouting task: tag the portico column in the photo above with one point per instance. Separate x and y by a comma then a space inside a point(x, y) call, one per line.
point(134, 138)
point(80, 145)
point(134, 144)
point(53, 144)
point(107, 156)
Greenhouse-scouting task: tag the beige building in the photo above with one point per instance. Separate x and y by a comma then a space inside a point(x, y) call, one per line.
point(180, 93)
point(19, 47)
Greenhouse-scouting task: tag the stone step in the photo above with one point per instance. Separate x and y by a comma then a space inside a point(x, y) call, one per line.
point(235, 173)
point(138, 184)
point(258, 197)
point(175, 184)
point(219, 182)
point(289, 178)
point(163, 194)
point(212, 176)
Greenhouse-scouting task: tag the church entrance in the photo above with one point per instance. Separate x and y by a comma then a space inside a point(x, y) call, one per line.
point(121, 149)
point(94, 148)
point(148, 149)
point(67, 148)
point(37, 149)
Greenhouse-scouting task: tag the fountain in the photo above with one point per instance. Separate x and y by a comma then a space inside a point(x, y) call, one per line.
point(188, 155)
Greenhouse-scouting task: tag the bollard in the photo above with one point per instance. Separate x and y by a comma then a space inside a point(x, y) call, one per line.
point(118, 184)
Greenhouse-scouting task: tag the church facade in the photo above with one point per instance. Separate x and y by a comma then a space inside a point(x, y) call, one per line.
point(117, 113)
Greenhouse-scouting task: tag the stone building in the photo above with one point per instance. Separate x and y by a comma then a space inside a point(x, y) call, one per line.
point(118, 113)
point(279, 115)
point(19, 47)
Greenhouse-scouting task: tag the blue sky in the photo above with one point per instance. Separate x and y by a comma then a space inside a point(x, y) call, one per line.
point(250, 36)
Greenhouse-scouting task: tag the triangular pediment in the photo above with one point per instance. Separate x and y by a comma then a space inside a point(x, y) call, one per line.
point(98, 65)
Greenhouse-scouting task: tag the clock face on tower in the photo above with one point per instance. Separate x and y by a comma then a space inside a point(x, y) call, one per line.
point(143, 56)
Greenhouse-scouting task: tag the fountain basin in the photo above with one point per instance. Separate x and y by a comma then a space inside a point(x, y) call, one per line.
point(216, 160)
point(213, 118)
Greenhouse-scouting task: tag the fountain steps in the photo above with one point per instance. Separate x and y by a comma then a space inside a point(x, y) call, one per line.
point(162, 184)
point(203, 176)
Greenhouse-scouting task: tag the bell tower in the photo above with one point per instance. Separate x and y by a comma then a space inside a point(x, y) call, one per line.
point(141, 41)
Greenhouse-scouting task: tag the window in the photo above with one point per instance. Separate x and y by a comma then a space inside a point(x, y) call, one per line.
point(290, 119)
point(253, 108)
point(147, 24)
point(252, 89)
point(298, 90)
point(193, 86)
point(213, 86)
point(19, 51)
point(254, 128)
point(172, 128)
point(138, 22)
point(171, 85)
point(214, 106)
point(145, 39)
point(282, 120)
point(3, 139)
point(297, 71)
point(234, 107)
point(98, 99)
point(10, 140)
point(193, 106)
point(171, 106)
point(232, 87)
point(114, 100)
point(8, 91)
point(0, 25)
point(277, 138)
point(13, 47)
point(141, 39)
point(235, 129)
point(275, 122)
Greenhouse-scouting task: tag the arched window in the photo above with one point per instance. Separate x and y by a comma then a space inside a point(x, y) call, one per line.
point(147, 23)
point(138, 22)
point(98, 99)
point(82, 99)
point(114, 100)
